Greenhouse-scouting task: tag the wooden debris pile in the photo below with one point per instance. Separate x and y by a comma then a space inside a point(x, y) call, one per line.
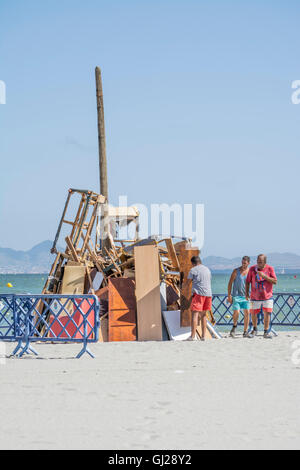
point(134, 279)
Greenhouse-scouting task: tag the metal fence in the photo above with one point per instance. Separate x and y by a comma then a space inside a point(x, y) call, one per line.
point(7, 318)
point(286, 310)
point(53, 319)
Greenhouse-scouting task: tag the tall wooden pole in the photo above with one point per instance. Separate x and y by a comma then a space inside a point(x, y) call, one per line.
point(105, 244)
point(101, 136)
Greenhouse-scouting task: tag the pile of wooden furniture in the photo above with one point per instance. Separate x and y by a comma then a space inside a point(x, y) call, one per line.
point(135, 280)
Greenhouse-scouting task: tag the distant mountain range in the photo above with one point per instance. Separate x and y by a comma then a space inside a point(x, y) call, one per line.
point(36, 260)
point(286, 261)
point(39, 260)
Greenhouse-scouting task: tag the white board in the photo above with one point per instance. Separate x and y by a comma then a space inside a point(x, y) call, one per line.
point(176, 332)
point(97, 281)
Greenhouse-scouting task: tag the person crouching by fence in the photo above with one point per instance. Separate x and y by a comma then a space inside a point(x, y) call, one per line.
point(202, 296)
point(261, 278)
point(237, 296)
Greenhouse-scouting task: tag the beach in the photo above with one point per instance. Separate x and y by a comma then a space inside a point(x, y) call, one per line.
point(221, 394)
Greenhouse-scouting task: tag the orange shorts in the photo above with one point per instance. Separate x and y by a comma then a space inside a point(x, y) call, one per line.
point(201, 303)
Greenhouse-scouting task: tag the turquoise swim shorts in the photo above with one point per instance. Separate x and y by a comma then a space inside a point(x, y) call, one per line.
point(240, 303)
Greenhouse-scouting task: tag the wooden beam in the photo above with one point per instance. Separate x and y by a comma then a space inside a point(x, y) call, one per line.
point(102, 156)
point(199, 332)
point(113, 262)
point(89, 278)
point(172, 253)
point(101, 135)
point(184, 257)
point(72, 249)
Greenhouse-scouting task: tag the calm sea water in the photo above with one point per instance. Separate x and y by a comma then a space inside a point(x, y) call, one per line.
point(34, 283)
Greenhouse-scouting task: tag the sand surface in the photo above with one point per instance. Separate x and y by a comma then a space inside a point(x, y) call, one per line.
point(227, 394)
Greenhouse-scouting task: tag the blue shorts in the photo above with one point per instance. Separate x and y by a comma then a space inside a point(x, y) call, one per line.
point(240, 303)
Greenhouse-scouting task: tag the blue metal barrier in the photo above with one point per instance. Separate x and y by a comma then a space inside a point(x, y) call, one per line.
point(286, 310)
point(7, 318)
point(49, 318)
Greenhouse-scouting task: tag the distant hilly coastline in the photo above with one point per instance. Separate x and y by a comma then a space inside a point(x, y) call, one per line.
point(39, 259)
point(35, 261)
point(289, 262)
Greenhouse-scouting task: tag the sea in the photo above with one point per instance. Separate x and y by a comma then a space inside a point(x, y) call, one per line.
point(34, 283)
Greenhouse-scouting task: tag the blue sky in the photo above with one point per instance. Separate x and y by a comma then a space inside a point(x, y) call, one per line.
point(198, 110)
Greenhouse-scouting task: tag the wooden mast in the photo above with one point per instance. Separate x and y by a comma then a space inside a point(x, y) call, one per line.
point(102, 158)
point(101, 136)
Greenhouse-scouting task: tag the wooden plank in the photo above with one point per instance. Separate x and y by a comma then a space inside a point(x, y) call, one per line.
point(102, 295)
point(72, 249)
point(103, 331)
point(184, 257)
point(147, 274)
point(72, 284)
point(113, 261)
point(89, 230)
point(172, 253)
point(122, 310)
point(199, 332)
point(73, 280)
point(172, 295)
point(91, 288)
point(96, 259)
point(53, 271)
point(76, 221)
point(148, 241)
point(80, 218)
point(180, 246)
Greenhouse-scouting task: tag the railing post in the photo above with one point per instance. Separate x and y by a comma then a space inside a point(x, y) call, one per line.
point(16, 327)
point(27, 348)
point(85, 348)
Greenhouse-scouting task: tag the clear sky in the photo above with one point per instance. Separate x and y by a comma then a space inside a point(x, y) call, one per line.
point(198, 110)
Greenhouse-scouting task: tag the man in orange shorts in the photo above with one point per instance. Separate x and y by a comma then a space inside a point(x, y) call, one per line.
point(202, 296)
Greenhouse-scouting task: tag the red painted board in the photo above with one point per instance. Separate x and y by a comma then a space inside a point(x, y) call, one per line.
point(66, 328)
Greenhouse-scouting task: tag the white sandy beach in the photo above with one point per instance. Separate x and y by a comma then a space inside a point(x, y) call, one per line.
point(227, 394)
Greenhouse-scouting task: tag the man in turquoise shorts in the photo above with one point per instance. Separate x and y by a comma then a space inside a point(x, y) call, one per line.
point(237, 296)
